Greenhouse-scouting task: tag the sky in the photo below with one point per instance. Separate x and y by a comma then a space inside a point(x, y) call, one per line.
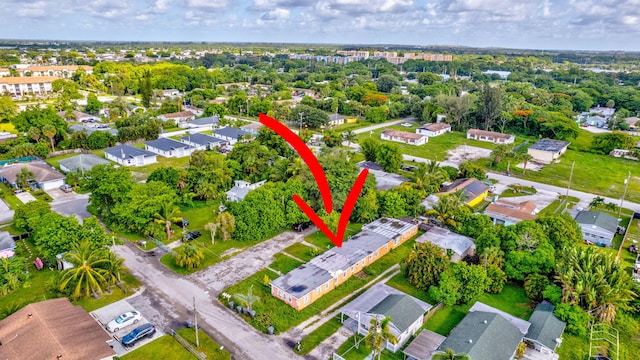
point(523, 24)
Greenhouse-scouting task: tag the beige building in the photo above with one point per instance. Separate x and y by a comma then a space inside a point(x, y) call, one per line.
point(404, 137)
point(490, 136)
point(59, 71)
point(547, 150)
point(20, 86)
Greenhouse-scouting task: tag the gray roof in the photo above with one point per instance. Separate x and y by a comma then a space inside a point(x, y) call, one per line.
point(6, 241)
point(42, 172)
point(202, 139)
point(424, 345)
point(545, 327)
point(522, 325)
point(550, 145)
point(231, 132)
point(446, 239)
point(166, 144)
point(127, 151)
point(401, 308)
point(84, 161)
point(599, 219)
point(211, 120)
point(90, 129)
point(484, 335)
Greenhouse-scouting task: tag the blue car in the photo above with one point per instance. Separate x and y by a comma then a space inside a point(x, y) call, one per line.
point(137, 334)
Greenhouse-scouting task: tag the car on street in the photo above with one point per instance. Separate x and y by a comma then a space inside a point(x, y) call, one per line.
point(137, 334)
point(192, 235)
point(406, 124)
point(124, 320)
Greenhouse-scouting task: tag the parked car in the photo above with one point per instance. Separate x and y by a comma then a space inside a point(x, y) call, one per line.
point(139, 333)
point(192, 235)
point(124, 320)
point(66, 188)
point(406, 124)
point(182, 222)
point(302, 226)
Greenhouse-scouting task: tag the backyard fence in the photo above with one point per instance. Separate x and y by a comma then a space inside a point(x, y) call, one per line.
point(188, 346)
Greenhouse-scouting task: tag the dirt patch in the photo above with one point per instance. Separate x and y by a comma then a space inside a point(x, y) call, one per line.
point(465, 152)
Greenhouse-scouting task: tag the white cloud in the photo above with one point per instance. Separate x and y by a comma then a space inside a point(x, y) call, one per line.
point(209, 5)
point(36, 9)
point(276, 15)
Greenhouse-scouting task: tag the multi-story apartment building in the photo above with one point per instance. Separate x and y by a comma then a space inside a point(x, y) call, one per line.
point(20, 86)
point(59, 71)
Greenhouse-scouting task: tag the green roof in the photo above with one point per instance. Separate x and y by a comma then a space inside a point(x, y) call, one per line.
point(484, 335)
point(402, 310)
point(599, 219)
point(545, 327)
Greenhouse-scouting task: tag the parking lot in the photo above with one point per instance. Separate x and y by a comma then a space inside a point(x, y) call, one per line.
point(110, 312)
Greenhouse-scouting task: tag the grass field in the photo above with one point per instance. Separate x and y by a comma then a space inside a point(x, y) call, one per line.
point(401, 283)
point(284, 263)
point(161, 347)
point(322, 241)
point(319, 335)
point(301, 251)
point(6, 194)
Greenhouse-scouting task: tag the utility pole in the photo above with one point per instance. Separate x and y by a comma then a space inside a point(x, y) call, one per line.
point(195, 316)
point(301, 114)
point(570, 177)
point(626, 185)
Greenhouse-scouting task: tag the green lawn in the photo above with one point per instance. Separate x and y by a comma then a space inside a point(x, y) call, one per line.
point(6, 193)
point(55, 161)
point(350, 352)
point(319, 335)
point(142, 172)
point(401, 283)
point(284, 263)
point(320, 240)
point(522, 191)
point(167, 344)
point(301, 251)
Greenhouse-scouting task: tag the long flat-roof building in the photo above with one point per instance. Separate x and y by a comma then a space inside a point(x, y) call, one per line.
point(490, 136)
point(547, 150)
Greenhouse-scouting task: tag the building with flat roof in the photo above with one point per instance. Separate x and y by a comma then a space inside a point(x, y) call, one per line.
point(21, 86)
point(57, 71)
point(547, 150)
point(82, 162)
point(434, 129)
point(302, 286)
point(490, 136)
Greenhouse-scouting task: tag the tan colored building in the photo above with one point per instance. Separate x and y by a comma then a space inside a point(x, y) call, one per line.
point(58, 71)
point(404, 137)
point(434, 129)
point(508, 213)
point(490, 136)
point(21, 86)
point(547, 151)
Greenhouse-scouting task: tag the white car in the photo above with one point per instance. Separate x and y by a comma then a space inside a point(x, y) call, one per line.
point(406, 124)
point(124, 320)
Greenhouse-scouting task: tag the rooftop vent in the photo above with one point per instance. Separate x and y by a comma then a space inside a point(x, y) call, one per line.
point(470, 341)
point(484, 321)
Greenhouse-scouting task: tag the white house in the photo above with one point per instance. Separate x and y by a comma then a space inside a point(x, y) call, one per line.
point(202, 123)
point(336, 119)
point(58, 71)
point(20, 86)
point(203, 142)
point(490, 136)
point(128, 155)
point(241, 189)
point(597, 227)
point(404, 137)
point(180, 116)
point(547, 150)
point(433, 129)
point(232, 135)
point(43, 174)
point(169, 148)
point(171, 93)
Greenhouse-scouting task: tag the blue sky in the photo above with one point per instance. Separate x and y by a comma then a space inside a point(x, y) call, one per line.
point(535, 24)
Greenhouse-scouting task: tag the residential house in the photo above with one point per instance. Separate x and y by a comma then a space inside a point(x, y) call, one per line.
point(547, 150)
point(43, 175)
point(597, 227)
point(634, 122)
point(170, 93)
point(22, 86)
point(627, 154)
point(202, 123)
point(253, 128)
point(75, 115)
point(434, 129)
point(336, 119)
point(82, 162)
point(57, 71)
point(302, 286)
point(178, 117)
point(203, 141)
point(473, 190)
point(241, 188)
point(6, 241)
point(404, 137)
point(194, 110)
point(5, 136)
point(596, 120)
point(169, 148)
point(5, 72)
point(423, 346)
point(486, 333)
point(384, 180)
point(602, 110)
point(381, 301)
point(457, 245)
point(545, 332)
point(232, 135)
point(53, 329)
point(490, 136)
point(508, 213)
point(90, 129)
point(128, 155)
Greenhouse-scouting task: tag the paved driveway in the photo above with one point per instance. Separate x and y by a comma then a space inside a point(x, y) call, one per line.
point(25, 197)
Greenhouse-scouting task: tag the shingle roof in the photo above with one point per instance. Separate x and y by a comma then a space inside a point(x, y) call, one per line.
point(550, 145)
point(211, 120)
point(599, 219)
point(42, 172)
point(506, 210)
point(402, 134)
point(202, 139)
point(435, 126)
point(472, 188)
point(127, 151)
point(55, 327)
point(545, 327)
point(84, 161)
point(402, 310)
point(179, 114)
point(166, 144)
point(424, 345)
point(6, 241)
point(484, 335)
point(231, 132)
point(493, 134)
point(446, 239)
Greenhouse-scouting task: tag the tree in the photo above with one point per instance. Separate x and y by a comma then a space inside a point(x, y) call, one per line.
point(34, 133)
point(378, 334)
point(93, 104)
point(24, 177)
point(13, 273)
point(500, 152)
point(332, 138)
point(525, 158)
point(8, 108)
point(368, 146)
point(166, 174)
point(376, 114)
point(449, 354)
point(27, 216)
point(457, 107)
point(389, 157)
point(490, 107)
point(168, 212)
point(386, 83)
point(443, 211)
point(87, 275)
point(471, 170)
point(146, 91)
point(604, 143)
point(424, 264)
point(349, 136)
point(49, 131)
point(596, 202)
point(534, 286)
point(311, 117)
point(113, 266)
point(460, 284)
point(496, 279)
point(189, 256)
point(227, 225)
point(213, 228)
point(247, 299)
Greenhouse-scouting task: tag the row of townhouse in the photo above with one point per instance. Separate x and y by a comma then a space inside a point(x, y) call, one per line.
point(303, 286)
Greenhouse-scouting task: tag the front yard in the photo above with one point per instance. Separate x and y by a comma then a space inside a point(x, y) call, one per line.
point(160, 348)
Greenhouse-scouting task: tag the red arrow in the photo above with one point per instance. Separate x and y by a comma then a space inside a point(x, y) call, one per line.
point(321, 179)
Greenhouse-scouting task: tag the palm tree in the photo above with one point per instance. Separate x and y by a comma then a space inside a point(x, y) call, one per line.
point(611, 206)
point(34, 133)
point(23, 177)
point(88, 273)
point(596, 202)
point(189, 256)
point(212, 227)
point(167, 213)
point(49, 131)
point(379, 333)
point(525, 158)
point(492, 256)
point(113, 267)
point(349, 137)
point(444, 210)
point(450, 355)
point(247, 299)
point(500, 152)
point(511, 156)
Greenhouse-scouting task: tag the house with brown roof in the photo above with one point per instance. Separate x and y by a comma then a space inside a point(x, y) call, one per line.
point(179, 116)
point(404, 137)
point(5, 72)
point(20, 86)
point(434, 129)
point(42, 174)
point(490, 136)
point(508, 213)
point(57, 71)
point(53, 329)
